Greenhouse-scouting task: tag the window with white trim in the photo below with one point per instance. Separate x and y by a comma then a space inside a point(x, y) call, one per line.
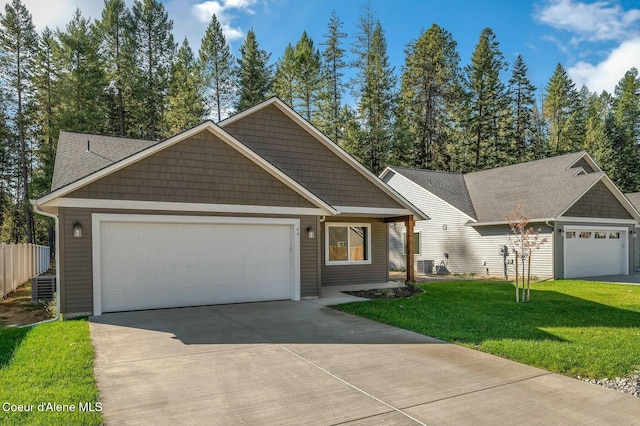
point(416, 243)
point(347, 243)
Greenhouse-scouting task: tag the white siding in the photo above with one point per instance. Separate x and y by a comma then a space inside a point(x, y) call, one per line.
point(468, 248)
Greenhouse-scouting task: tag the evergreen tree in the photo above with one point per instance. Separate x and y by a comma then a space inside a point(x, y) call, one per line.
point(378, 102)
point(401, 153)
point(284, 77)
point(332, 91)
point(354, 141)
point(428, 95)
point(254, 73)
point(155, 50)
point(559, 109)
point(117, 51)
point(185, 99)
point(217, 65)
point(375, 90)
point(485, 103)
point(539, 143)
point(18, 44)
point(307, 81)
point(625, 132)
point(597, 141)
point(522, 98)
point(47, 92)
point(6, 166)
point(82, 82)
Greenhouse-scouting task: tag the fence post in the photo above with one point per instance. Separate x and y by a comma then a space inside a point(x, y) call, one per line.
point(4, 269)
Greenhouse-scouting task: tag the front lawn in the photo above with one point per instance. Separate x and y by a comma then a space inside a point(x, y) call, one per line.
point(576, 328)
point(48, 369)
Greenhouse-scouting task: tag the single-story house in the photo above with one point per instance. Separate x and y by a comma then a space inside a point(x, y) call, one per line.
point(590, 226)
point(261, 206)
point(634, 198)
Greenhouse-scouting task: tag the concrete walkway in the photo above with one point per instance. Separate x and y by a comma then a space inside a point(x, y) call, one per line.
point(295, 363)
point(616, 279)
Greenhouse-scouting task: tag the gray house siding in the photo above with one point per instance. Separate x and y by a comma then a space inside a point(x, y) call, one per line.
point(598, 202)
point(376, 272)
point(75, 256)
point(285, 144)
point(559, 243)
point(201, 169)
point(75, 263)
point(471, 250)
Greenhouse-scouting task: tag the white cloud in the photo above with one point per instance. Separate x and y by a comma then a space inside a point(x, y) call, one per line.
point(597, 21)
point(606, 74)
point(223, 10)
point(56, 13)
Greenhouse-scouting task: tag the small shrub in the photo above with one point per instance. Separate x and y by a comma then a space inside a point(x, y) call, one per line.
point(50, 306)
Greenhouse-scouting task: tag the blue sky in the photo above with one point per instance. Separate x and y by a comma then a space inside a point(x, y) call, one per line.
point(596, 41)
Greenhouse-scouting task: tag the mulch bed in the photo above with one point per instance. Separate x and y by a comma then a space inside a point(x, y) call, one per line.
point(386, 293)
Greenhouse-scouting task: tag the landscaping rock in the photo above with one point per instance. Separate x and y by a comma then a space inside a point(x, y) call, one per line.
point(628, 385)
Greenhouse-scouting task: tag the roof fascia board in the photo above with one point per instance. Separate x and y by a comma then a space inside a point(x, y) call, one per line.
point(371, 211)
point(334, 147)
point(505, 222)
point(217, 131)
point(595, 220)
point(92, 203)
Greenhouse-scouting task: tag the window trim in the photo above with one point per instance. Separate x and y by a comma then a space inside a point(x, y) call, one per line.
point(404, 242)
point(328, 225)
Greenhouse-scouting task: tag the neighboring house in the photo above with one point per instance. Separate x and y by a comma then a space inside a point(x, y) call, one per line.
point(634, 198)
point(261, 206)
point(588, 222)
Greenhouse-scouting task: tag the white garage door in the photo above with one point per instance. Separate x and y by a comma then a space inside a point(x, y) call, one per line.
point(160, 262)
point(595, 251)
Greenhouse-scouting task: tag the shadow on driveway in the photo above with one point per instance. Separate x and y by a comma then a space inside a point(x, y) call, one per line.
point(263, 322)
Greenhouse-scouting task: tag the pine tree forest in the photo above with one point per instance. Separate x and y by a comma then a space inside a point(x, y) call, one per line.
point(123, 74)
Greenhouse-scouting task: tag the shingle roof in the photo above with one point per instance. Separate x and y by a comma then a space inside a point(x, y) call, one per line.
point(546, 188)
point(74, 161)
point(634, 198)
point(450, 187)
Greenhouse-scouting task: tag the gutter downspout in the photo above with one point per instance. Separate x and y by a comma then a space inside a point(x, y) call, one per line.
point(57, 317)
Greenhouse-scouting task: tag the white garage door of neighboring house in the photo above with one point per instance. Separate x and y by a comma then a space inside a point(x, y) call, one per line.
point(148, 262)
point(595, 251)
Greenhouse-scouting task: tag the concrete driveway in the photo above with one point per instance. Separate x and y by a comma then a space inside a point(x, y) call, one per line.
point(299, 363)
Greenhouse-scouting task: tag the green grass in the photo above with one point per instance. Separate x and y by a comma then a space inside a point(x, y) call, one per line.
point(48, 363)
point(576, 328)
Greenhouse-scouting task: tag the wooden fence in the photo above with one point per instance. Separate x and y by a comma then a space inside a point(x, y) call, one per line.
point(19, 263)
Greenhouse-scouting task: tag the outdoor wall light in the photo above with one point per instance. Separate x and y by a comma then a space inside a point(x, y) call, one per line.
point(311, 232)
point(77, 230)
point(559, 230)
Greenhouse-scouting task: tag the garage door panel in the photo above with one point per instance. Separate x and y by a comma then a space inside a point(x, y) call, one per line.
point(161, 265)
point(585, 255)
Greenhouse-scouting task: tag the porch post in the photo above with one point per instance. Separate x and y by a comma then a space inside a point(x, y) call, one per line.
point(409, 224)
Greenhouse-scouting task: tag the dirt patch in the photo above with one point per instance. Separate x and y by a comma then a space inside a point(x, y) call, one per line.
point(386, 293)
point(17, 309)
